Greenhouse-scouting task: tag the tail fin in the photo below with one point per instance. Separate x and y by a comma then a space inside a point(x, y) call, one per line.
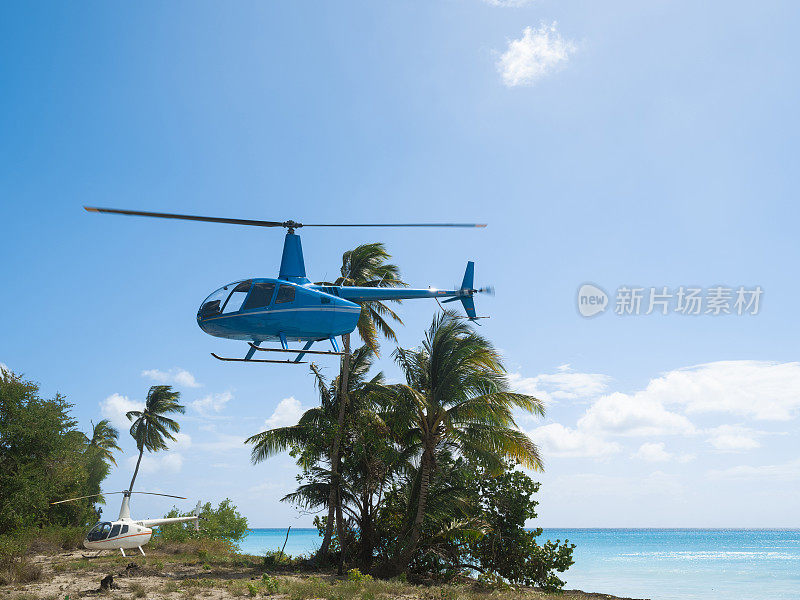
point(469, 277)
point(196, 513)
point(466, 291)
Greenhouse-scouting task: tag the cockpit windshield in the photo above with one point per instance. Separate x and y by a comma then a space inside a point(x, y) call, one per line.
point(226, 299)
point(99, 532)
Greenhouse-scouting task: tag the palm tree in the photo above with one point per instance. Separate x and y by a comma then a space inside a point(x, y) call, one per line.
point(151, 427)
point(99, 454)
point(318, 433)
point(363, 266)
point(456, 397)
point(104, 440)
point(367, 266)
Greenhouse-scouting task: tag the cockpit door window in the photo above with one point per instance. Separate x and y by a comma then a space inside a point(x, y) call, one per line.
point(99, 532)
point(260, 296)
point(236, 299)
point(115, 530)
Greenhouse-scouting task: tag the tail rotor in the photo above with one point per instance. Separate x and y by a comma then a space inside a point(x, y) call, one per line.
point(467, 291)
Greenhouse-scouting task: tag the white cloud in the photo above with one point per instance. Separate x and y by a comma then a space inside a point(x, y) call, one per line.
point(116, 406)
point(556, 440)
point(182, 441)
point(537, 53)
point(168, 462)
point(633, 415)
point(653, 452)
point(656, 452)
point(759, 389)
point(733, 438)
point(563, 385)
point(173, 376)
point(212, 402)
point(287, 412)
point(789, 471)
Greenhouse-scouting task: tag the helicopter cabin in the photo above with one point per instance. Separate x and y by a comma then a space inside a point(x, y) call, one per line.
point(106, 534)
point(264, 309)
point(106, 531)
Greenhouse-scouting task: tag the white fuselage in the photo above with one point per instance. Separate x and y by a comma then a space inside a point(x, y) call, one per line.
point(112, 535)
point(127, 533)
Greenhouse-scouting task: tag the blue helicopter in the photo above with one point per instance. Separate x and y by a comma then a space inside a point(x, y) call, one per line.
point(291, 307)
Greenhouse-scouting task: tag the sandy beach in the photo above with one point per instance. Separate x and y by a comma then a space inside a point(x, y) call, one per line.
point(167, 575)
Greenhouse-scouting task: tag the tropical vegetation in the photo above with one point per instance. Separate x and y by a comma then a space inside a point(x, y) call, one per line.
point(45, 456)
point(221, 523)
point(364, 266)
point(151, 426)
point(428, 469)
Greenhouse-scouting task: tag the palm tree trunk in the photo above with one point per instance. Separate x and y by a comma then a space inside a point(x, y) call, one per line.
point(334, 497)
point(340, 434)
point(416, 528)
point(136, 470)
point(340, 532)
point(366, 535)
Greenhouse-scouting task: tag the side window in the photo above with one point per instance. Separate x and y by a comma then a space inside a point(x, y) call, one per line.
point(235, 300)
point(115, 530)
point(285, 294)
point(124, 529)
point(260, 296)
point(104, 531)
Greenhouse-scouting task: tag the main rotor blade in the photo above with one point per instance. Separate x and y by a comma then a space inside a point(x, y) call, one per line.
point(110, 493)
point(139, 213)
point(89, 496)
point(157, 494)
point(256, 223)
point(394, 225)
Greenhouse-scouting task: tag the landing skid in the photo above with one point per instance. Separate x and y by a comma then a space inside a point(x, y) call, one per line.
point(285, 348)
point(258, 360)
point(252, 345)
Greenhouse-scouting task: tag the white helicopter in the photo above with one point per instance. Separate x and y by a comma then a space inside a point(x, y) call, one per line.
point(125, 532)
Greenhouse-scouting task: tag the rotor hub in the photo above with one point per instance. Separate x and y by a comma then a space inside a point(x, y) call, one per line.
point(291, 225)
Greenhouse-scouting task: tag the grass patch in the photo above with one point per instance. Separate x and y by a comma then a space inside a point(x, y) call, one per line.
point(15, 566)
point(201, 548)
point(21, 570)
point(138, 590)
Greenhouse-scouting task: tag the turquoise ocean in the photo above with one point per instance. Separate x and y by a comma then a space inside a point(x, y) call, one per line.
point(662, 564)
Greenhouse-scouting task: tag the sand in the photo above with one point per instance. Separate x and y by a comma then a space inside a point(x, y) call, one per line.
point(168, 576)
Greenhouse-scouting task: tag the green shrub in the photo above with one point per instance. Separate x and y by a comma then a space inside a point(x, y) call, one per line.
point(21, 570)
point(11, 549)
point(275, 560)
point(221, 523)
point(356, 575)
point(507, 550)
point(202, 548)
point(270, 584)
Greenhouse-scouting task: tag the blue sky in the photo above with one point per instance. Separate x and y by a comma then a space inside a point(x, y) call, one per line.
point(619, 143)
